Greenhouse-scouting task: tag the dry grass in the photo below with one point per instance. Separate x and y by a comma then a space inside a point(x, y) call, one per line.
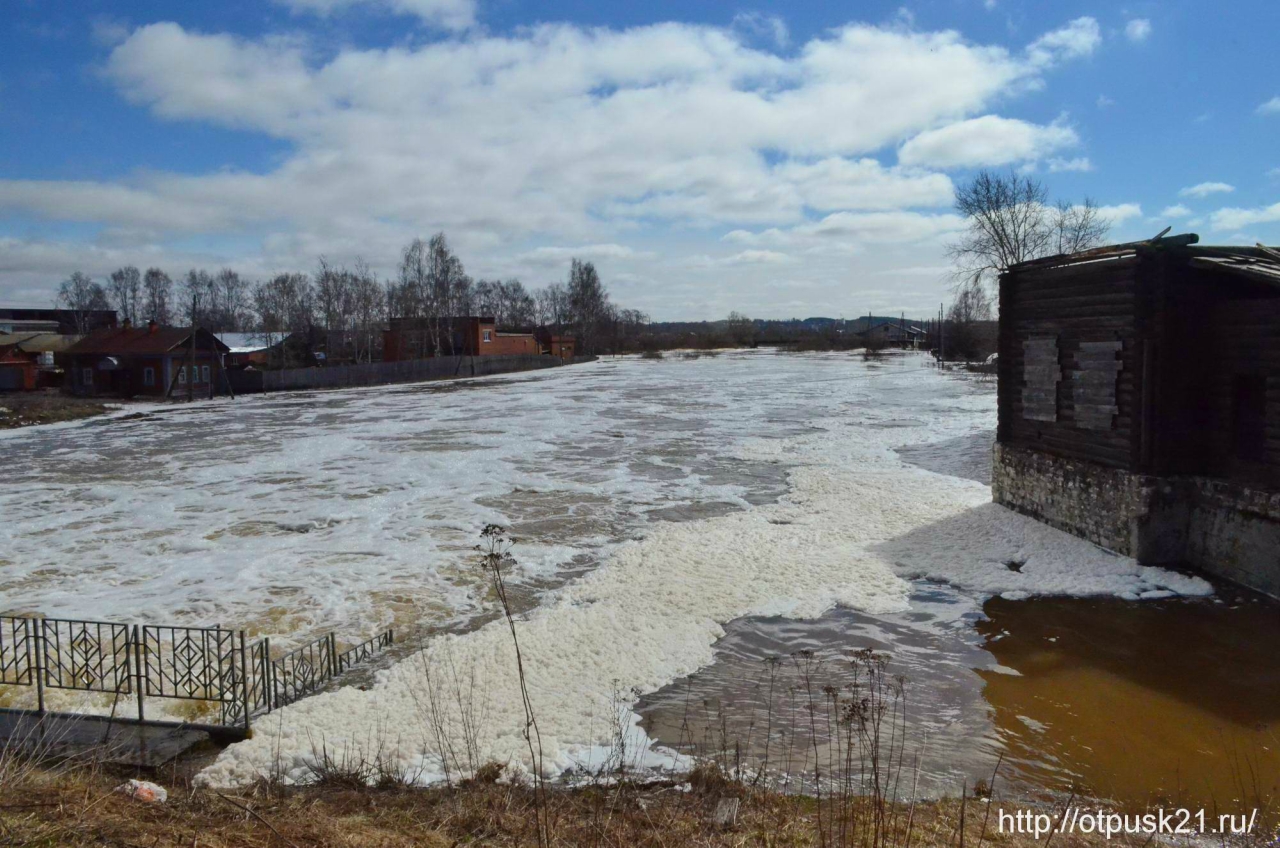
point(22, 409)
point(74, 807)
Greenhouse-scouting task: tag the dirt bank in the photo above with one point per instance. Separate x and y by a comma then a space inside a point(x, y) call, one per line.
point(23, 409)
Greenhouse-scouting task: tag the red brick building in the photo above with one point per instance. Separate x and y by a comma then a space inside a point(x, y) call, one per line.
point(411, 338)
point(561, 347)
point(147, 360)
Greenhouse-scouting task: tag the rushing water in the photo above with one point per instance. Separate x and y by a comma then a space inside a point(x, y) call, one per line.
point(355, 509)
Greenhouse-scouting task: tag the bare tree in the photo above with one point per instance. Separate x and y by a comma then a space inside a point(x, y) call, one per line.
point(285, 306)
point(588, 303)
point(230, 297)
point(82, 297)
point(157, 292)
point(551, 307)
point(971, 306)
point(742, 330)
point(368, 308)
point(1008, 223)
point(1011, 221)
point(195, 297)
point(124, 288)
point(1077, 228)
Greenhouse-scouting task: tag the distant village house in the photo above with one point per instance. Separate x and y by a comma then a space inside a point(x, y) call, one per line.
point(150, 361)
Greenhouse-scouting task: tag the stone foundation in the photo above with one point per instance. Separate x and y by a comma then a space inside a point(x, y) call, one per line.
point(1223, 528)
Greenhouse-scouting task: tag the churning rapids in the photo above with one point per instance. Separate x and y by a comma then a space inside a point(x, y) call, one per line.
point(655, 503)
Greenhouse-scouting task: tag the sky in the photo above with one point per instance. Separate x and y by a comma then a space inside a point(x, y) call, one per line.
point(779, 159)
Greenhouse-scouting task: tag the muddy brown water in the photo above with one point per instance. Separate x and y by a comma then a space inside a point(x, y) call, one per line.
point(1140, 703)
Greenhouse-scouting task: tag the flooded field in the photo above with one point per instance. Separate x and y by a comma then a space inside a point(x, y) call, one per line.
point(680, 522)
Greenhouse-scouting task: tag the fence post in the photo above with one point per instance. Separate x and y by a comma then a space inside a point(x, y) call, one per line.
point(334, 670)
point(139, 672)
point(244, 682)
point(36, 627)
point(264, 673)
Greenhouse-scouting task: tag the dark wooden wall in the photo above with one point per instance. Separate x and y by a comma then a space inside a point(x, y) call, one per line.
point(1089, 304)
point(1189, 338)
point(1246, 337)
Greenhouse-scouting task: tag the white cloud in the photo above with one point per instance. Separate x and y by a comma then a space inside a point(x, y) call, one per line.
point(449, 14)
point(1138, 30)
point(554, 135)
point(1104, 101)
point(1177, 211)
point(1073, 41)
point(1236, 219)
point(760, 24)
point(1206, 189)
point(1271, 107)
point(753, 256)
point(1121, 212)
point(1274, 173)
point(1081, 164)
point(989, 140)
point(856, 230)
point(551, 256)
point(989, 5)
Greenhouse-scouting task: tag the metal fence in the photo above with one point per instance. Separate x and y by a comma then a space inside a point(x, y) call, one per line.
point(137, 662)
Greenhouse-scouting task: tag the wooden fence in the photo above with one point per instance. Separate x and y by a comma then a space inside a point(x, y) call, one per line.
point(382, 373)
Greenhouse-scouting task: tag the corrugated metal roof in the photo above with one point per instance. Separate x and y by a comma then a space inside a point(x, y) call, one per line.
point(245, 342)
point(38, 342)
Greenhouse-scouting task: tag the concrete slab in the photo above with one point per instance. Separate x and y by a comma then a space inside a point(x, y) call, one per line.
point(118, 742)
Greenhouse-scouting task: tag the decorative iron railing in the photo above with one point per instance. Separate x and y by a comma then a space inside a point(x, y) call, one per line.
point(209, 664)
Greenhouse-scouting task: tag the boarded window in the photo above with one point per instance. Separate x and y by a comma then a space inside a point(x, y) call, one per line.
point(1249, 417)
point(204, 373)
point(148, 376)
point(1093, 385)
point(1040, 376)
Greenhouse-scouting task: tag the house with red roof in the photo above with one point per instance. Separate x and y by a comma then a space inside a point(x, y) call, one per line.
point(152, 360)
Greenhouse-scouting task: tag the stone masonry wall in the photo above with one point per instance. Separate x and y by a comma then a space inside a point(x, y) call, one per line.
point(1100, 504)
point(1222, 528)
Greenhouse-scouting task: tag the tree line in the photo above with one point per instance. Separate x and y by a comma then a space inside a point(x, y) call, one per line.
point(346, 308)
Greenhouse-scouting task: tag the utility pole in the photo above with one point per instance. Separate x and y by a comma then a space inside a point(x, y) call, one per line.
point(191, 355)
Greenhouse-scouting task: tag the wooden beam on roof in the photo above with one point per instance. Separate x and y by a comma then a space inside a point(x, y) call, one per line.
point(1274, 254)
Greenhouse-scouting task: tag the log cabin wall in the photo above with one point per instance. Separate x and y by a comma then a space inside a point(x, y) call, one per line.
point(1243, 398)
point(1081, 324)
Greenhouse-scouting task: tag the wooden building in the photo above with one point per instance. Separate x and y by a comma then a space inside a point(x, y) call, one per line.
point(1139, 402)
point(151, 360)
point(18, 369)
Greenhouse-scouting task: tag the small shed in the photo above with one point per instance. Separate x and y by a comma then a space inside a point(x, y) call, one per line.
point(18, 369)
point(1139, 402)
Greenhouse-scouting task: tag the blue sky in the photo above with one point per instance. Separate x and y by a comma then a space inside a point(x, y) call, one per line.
point(779, 159)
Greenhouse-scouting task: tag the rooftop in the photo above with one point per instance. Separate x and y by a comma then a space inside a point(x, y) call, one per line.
point(139, 340)
point(1259, 264)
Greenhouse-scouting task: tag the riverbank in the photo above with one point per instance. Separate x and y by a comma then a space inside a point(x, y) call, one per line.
point(80, 807)
point(25, 409)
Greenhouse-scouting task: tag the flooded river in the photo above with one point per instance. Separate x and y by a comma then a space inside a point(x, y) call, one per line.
point(680, 524)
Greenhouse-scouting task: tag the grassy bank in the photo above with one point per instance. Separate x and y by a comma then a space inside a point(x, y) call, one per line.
point(23, 409)
point(79, 807)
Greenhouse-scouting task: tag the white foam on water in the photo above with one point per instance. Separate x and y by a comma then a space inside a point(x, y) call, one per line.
point(856, 524)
